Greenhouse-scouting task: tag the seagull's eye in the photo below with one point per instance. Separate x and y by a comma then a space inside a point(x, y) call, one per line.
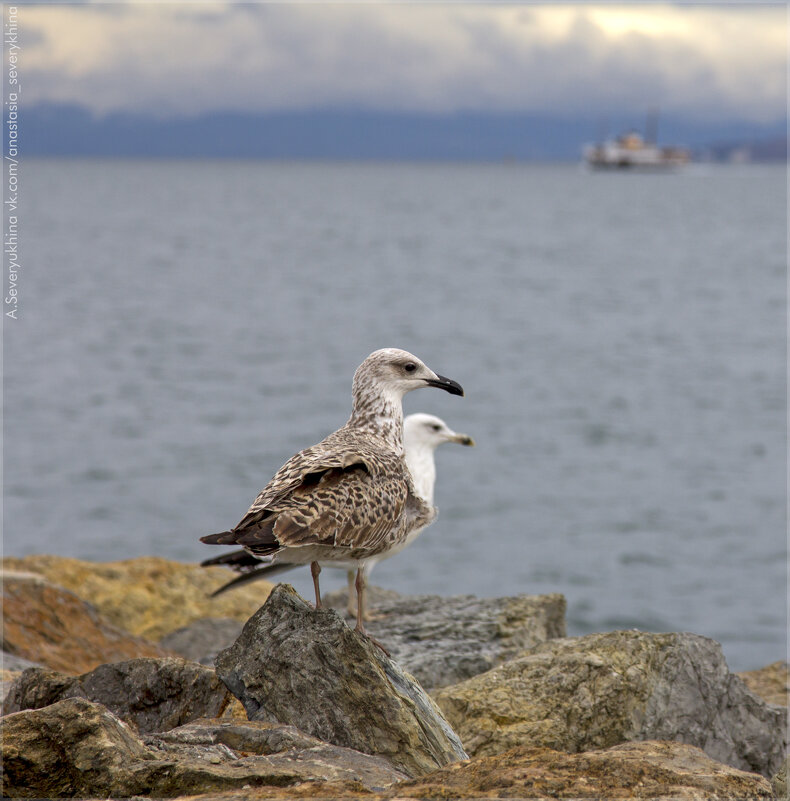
point(436, 428)
point(410, 367)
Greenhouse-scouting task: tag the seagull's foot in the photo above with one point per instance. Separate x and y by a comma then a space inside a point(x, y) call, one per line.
point(351, 611)
point(373, 640)
point(377, 643)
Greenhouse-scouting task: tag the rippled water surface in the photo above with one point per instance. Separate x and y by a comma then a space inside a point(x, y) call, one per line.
point(187, 326)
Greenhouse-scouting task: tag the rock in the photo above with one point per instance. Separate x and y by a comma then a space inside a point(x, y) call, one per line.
point(322, 760)
point(771, 683)
point(330, 791)
point(319, 791)
point(308, 669)
point(779, 782)
point(663, 770)
point(52, 626)
point(77, 748)
point(254, 736)
point(578, 693)
point(151, 694)
point(375, 599)
point(7, 678)
point(16, 664)
point(442, 641)
point(234, 710)
point(656, 770)
point(71, 748)
point(202, 640)
point(12, 667)
point(35, 688)
point(148, 596)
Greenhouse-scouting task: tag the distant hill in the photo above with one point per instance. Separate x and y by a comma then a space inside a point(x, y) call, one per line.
point(71, 130)
point(762, 150)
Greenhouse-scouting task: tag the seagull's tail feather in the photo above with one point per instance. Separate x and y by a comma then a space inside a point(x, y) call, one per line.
point(257, 536)
point(253, 575)
point(241, 561)
point(223, 538)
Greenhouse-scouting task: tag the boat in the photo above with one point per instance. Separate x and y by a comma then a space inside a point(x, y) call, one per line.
point(633, 151)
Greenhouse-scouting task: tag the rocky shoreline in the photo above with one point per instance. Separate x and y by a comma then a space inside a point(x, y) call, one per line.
point(126, 679)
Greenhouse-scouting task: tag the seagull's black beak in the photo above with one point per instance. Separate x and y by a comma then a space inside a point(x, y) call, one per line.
point(447, 384)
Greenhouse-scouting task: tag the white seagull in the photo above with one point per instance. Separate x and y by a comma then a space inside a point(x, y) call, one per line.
point(422, 435)
point(350, 498)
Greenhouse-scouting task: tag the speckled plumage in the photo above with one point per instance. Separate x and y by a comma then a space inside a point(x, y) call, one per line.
point(350, 497)
point(345, 494)
point(422, 434)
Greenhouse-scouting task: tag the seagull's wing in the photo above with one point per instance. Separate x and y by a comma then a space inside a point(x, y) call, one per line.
point(305, 469)
point(337, 494)
point(347, 508)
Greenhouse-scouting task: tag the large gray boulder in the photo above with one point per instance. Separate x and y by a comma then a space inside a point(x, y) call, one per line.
point(444, 640)
point(77, 748)
point(203, 639)
point(578, 693)
point(151, 694)
point(307, 668)
point(438, 640)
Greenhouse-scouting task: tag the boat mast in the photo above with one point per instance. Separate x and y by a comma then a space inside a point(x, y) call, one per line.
point(651, 126)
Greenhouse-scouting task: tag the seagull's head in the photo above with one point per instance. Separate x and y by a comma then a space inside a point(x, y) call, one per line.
point(395, 372)
point(428, 432)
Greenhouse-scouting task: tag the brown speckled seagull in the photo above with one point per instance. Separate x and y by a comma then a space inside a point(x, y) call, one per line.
point(349, 498)
point(422, 435)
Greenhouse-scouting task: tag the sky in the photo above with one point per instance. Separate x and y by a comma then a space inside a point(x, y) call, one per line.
point(705, 62)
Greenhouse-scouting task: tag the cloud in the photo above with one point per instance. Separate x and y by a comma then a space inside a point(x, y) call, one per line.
point(706, 62)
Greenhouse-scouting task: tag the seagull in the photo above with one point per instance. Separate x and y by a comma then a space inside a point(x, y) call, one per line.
point(422, 435)
point(351, 497)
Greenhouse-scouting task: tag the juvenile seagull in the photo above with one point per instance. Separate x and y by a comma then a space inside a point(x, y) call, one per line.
point(350, 497)
point(422, 435)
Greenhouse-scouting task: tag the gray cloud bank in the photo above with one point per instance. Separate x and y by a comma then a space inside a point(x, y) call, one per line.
point(703, 63)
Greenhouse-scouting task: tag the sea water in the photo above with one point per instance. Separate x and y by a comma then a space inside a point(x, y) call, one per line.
point(186, 326)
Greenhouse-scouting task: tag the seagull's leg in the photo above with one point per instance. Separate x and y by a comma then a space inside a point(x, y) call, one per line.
point(365, 614)
point(360, 582)
point(315, 569)
point(360, 607)
point(350, 607)
point(361, 600)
